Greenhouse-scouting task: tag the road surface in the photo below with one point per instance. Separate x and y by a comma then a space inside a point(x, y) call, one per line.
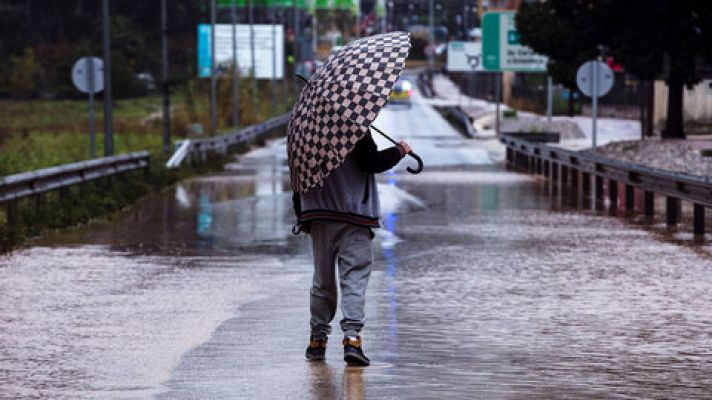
point(484, 286)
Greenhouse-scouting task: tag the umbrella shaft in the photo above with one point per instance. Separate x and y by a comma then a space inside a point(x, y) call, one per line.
point(384, 135)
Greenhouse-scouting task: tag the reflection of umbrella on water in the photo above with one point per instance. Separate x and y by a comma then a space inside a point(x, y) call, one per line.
point(339, 103)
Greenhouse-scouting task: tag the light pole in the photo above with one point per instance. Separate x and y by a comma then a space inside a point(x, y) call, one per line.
point(274, 59)
point(296, 51)
point(431, 53)
point(235, 69)
point(108, 110)
point(252, 51)
point(164, 85)
point(213, 71)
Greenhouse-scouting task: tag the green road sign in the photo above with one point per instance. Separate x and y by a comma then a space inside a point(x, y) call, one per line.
point(502, 49)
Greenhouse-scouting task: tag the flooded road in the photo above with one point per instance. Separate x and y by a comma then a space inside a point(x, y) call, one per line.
point(484, 286)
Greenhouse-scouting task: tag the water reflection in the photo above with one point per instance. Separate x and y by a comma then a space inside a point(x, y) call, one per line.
point(389, 224)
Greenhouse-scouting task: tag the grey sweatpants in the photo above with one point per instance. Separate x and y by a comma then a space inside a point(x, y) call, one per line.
point(349, 246)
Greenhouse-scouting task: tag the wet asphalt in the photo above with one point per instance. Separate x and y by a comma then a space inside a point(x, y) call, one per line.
point(487, 284)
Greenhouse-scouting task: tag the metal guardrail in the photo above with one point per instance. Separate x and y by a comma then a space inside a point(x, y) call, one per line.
point(425, 85)
point(221, 144)
point(15, 187)
point(462, 119)
point(578, 168)
point(35, 183)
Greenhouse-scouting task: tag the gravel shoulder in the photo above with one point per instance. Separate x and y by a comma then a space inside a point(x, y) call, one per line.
point(674, 155)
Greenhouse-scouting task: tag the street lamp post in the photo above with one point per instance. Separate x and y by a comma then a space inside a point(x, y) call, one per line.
point(274, 60)
point(431, 53)
point(108, 110)
point(252, 51)
point(297, 35)
point(213, 71)
point(164, 85)
point(235, 69)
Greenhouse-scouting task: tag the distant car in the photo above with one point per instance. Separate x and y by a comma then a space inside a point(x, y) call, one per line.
point(401, 92)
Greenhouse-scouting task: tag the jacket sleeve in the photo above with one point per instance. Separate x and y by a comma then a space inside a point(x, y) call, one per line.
point(369, 159)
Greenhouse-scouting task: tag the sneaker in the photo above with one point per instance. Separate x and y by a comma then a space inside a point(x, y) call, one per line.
point(353, 353)
point(317, 349)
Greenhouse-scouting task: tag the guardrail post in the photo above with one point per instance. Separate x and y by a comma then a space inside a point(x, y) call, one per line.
point(564, 175)
point(11, 210)
point(629, 198)
point(598, 189)
point(586, 183)
point(673, 210)
point(555, 172)
point(547, 171)
point(699, 220)
point(613, 194)
point(539, 166)
point(532, 164)
point(509, 155)
point(649, 204)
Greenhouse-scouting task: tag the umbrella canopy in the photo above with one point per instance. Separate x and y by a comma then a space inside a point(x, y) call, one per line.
point(339, 103)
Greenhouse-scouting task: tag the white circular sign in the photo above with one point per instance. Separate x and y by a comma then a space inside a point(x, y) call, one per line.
point(586, 75)
point(81, 74)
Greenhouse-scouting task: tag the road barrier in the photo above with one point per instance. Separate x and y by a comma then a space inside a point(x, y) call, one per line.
point(200, 148)
point(425, 84)
point(459, 117)
point(578, 169)
point(13, 188)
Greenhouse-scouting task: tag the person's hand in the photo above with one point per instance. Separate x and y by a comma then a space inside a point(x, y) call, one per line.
point(406, 146)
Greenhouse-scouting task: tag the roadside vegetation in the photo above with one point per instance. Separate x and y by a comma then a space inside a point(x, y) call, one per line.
point(42, 133)
point(37, 133)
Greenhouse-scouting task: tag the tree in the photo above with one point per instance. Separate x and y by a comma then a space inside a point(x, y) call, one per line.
point(663, 39)
point(541, 26)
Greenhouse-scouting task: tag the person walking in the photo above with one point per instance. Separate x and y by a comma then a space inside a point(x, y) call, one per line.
point(340, 216)
point(332, 161)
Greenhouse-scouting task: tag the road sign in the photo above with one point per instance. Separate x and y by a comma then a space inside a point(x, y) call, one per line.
point(594, 71)
point(464, 56)
point(84, 70)
point(264, 47)
point(501, 48)
point(88, 77)
point(594, 79)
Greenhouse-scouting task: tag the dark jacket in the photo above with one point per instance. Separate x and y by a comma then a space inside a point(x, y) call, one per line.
point(349, 194)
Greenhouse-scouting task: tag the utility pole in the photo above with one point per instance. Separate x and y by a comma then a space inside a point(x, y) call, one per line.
point(108, 110)
point(252, 53)
point(465, 11)
point(296, 44)
point(274, 59)
point(235, 69)
point(285, 92)
point(213, 71)
point(252, 37)
point(431, 54)
point(358, 18)
point(164, 85)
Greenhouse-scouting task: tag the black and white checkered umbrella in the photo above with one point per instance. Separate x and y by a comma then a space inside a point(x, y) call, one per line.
point(339, 103)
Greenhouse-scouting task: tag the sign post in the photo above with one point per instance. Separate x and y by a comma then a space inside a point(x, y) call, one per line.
point(87, 77)
point(503, 51)
point(594, 79)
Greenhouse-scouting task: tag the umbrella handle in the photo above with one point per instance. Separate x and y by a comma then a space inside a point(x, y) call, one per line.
point(420, 164)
